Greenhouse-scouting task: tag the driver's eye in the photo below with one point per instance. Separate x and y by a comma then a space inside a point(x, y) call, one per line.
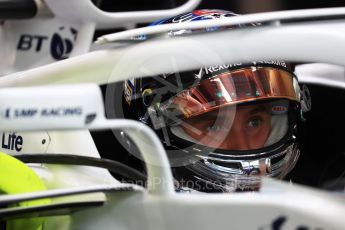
point(254, 122)
point(213, 128)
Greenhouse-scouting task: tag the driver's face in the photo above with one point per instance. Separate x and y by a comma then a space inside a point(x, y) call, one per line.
point(241, 128)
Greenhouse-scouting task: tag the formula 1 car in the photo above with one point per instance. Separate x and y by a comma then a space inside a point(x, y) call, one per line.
point(48, 110)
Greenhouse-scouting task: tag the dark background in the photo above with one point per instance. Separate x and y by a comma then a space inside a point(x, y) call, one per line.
point(322, 161)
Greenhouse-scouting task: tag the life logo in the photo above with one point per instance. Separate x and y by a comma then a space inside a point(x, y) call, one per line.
point(60, 44)
point(12, 141)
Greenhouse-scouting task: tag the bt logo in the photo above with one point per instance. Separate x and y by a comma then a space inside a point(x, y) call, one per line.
point(60, 46)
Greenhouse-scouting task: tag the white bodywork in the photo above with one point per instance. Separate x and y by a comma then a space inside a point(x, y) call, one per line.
point(277, 206)
point(160, 207)
point(322, 74)
point(28, 43)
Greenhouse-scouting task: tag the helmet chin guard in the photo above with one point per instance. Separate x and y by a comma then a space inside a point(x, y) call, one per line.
point(244, 175)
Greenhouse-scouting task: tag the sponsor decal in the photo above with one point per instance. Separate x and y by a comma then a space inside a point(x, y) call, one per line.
point(272, 62)
point(24, 142)
point(211, 69)
point(279, 109)
point(29, 42)
point(11, 141)
point(61, 42)
point(199, 75)
point(13, 113)
point(61, 47)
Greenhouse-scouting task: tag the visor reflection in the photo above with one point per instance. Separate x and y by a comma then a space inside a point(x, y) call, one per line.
point(243, 85)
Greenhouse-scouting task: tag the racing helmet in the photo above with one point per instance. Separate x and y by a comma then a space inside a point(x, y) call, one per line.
point(222, 126)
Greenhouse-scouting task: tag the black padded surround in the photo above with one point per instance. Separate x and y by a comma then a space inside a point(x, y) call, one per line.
point(17, 9)
point(322, 159)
